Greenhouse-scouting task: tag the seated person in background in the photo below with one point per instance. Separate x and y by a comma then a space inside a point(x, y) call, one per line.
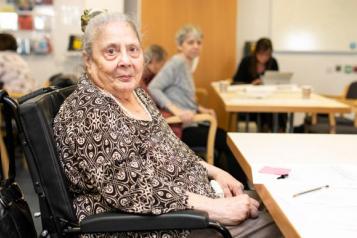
point(15, 73)
point(118, 152)
point(250, 71)
point(62, 80)
point(173, 88)
point(252, 67)
point(155, 57)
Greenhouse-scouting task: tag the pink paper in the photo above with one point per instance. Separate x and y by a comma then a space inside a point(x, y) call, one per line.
point(274, 170)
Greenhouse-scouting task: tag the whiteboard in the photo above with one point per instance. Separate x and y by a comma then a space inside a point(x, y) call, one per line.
point(314, 25)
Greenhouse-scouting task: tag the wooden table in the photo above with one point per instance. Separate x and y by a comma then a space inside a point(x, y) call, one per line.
point(276, 99)
point(299, 152)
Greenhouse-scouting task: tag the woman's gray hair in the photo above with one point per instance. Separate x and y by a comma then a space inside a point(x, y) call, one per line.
point(95, 23)
point(183, 32)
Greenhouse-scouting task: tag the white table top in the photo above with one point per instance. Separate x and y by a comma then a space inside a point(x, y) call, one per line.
point(314, 160)
point(283, 98)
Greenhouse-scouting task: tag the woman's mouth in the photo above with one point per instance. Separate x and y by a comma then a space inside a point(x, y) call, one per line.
point(125, 78)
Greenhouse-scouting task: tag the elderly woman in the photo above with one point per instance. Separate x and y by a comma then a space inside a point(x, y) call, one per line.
point(173, 88)
point(118, 152)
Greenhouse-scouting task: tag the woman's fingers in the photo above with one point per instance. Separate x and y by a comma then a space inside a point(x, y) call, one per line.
point(254, 202)
point(227, 192)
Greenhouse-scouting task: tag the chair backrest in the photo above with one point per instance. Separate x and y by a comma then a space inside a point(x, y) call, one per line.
point(352, 91)
point(36, 116)
point(211, 133)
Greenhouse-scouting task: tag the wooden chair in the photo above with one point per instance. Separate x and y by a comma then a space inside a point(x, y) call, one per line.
point(201, 96)
point(211, 133)
point(337, 124)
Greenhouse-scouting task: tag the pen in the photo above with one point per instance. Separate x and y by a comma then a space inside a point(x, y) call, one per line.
point(310, 190)
point(283, 176)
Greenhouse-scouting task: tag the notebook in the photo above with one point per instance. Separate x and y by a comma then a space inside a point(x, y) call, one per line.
point(276, 77)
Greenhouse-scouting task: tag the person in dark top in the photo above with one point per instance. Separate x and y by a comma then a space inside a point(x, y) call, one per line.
point(252, 67)
point(250, 71)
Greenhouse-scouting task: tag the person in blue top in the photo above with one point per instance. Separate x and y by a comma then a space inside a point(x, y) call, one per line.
point(173, 89)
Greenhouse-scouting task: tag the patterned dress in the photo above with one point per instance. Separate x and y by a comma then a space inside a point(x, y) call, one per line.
point(116, 162)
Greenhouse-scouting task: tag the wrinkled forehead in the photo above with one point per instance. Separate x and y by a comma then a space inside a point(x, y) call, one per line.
point(116, 32)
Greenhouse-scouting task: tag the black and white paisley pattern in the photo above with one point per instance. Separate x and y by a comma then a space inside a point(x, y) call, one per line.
point(116, 162)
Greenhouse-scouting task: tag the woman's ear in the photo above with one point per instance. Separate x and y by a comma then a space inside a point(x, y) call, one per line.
point(86, 59)
point(88, 62)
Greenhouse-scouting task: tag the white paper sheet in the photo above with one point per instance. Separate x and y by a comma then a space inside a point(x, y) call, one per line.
point(328, 212)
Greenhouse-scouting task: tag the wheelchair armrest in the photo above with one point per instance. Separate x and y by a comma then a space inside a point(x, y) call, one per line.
point(123, 222)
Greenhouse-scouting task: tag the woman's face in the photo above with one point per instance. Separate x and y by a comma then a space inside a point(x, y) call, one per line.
point(191, 47)
point(263, 56)
point(117, 59)
point(155, 65)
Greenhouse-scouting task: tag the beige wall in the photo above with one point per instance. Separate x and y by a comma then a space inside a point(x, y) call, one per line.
point(316, 69)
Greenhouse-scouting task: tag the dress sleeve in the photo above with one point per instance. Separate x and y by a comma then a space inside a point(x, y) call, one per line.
point(105, 158)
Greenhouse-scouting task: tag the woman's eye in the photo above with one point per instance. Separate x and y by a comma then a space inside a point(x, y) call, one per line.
point(111, 51)
point(134, 51)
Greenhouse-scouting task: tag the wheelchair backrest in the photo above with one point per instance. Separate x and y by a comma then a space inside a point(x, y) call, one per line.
point(36, 115)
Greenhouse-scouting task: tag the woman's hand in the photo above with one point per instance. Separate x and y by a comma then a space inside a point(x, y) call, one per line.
point(207, 111)
point(257, 81)
point(228, 211)
point(230, 185)
point(186, 116)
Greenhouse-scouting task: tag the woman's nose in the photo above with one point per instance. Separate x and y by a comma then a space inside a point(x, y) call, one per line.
point(124, 59)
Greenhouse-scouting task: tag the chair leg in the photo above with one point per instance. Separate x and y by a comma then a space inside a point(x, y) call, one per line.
point(4, 157)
